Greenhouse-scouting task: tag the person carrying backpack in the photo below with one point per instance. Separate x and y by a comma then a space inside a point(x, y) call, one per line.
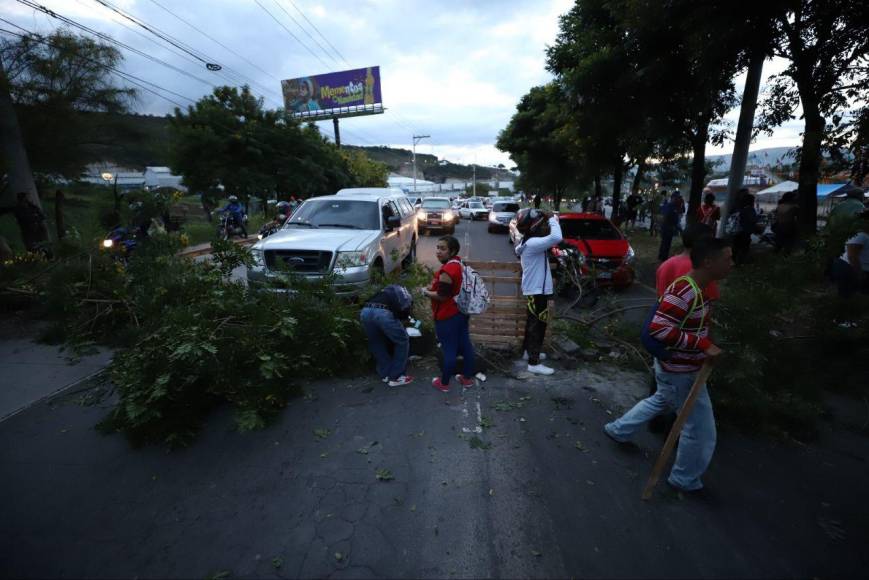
point(681, 326)
point(452, 326)
point(540, 233)
point(382, 319)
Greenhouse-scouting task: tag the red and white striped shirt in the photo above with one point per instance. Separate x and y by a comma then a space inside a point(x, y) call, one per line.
point(687, 336)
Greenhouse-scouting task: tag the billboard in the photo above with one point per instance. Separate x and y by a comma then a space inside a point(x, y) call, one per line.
point(345, 93)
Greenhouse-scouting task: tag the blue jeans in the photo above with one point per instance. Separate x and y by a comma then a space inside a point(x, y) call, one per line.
point(384, 331)
point(697, 440)
point(454, 334)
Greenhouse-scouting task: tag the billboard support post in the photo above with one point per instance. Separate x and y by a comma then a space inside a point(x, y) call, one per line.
point(337, 132)
point(416, 139)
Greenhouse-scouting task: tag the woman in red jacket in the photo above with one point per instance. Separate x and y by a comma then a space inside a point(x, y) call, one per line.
point(451, 326)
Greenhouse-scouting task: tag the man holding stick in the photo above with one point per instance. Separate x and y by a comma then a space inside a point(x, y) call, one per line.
point(682, 324)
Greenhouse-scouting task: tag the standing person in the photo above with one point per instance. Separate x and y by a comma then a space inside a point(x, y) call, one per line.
point(586, 202)
point(654, 207)
point(382, 319)
point(633, 204)
point(786, 223)
point(682, 323)
point(747, 223)
point(709, 213)
point(536, 201)
point(540, 232)
point(851, 270)
point(680, 264)
point(851, 206)
point(451, 326)
point(681, 209)
point(669, 213)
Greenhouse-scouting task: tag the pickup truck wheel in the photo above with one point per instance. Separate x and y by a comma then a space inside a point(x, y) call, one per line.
point(410, 260)
point(376, 271)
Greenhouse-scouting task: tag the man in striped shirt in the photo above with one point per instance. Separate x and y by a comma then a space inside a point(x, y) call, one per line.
point(682, 323)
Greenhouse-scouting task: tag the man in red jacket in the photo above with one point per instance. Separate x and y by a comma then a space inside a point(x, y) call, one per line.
point(682, 323)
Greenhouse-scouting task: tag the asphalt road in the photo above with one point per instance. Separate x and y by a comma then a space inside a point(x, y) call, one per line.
point(477, 244)
point(512, 478)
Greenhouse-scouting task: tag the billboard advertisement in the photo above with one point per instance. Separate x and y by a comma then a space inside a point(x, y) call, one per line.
point(319, 94)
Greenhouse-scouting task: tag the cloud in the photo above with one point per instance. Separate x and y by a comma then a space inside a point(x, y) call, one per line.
point(453, 70)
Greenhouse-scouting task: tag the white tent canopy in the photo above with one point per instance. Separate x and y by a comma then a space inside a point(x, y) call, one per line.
point(774, 193)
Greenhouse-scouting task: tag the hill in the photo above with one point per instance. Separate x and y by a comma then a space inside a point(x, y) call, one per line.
point(429, 166)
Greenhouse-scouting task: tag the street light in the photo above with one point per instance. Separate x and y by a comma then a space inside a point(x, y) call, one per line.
point(110, 178)
point(416, 139)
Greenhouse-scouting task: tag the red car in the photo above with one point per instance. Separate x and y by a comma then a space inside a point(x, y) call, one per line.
point(603, 245)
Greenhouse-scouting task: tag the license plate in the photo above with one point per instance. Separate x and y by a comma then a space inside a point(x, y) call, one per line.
point(434, 222)
point(605, 275)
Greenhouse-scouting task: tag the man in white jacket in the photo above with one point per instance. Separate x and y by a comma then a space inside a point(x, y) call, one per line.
point(540, 232)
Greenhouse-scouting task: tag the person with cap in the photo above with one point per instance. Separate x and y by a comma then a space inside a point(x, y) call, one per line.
point(236, 212)
point(540, 233)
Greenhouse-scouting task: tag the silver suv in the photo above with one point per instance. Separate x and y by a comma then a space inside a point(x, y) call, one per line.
point(355, 234)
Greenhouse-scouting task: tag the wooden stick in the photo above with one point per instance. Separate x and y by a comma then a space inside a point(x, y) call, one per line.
point(684, 412)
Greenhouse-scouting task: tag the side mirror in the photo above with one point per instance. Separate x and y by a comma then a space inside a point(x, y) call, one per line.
point(393, 222)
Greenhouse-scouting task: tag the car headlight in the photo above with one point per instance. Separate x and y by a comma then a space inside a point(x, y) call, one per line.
point(108, 243)
point(258, 258)
point(631, 256)
point(421, 215)
point(493, 218)
point(448, 216)
point(351, 259)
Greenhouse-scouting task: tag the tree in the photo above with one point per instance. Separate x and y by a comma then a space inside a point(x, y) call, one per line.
point(364, 172)
point(827, 44)
point(537, 139)
point(47, 85)
point(229, 140)
point(56, 81)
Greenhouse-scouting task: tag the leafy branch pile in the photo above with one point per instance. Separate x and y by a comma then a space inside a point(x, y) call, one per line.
point(196, 340)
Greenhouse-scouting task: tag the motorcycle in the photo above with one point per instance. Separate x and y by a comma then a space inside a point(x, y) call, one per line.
point(120, 243)
point(574, 277)
point(227, 226)
point(272, 227)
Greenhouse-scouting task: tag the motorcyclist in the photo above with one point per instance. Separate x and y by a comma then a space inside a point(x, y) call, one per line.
point(236, 212)
point(283, 210)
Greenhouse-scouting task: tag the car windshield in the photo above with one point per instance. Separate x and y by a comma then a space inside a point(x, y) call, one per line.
point(337, 213)
point(436, 204)
point(475, 205)
point(506, 207)
point(589, 229)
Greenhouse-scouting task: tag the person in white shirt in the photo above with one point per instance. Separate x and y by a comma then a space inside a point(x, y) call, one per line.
point(851, 270)
point(540, 232)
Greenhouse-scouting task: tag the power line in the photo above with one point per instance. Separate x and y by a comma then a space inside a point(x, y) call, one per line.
point(208, 36)
point(305, 30)
point(140, 82)
point(227, 73)
point(314, 26)
point(108, 38)
point(290, 32)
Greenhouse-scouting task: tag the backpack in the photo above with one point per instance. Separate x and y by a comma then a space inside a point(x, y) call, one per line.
point(402, 297)
point(733, 225)
point(473, 296)
point(655, 347)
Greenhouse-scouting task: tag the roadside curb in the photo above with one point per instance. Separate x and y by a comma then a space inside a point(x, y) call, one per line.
point(53, 394)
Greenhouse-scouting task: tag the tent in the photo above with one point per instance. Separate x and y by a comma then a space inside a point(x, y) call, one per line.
point(774, 193)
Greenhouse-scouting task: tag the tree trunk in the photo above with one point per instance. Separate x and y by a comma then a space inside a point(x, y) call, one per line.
point(810, 166)
point(743, 136)
point(34, 229)
point(698, 167)
point(597, 191)
point(59, 225)
point(638, 178)
point(618, 177)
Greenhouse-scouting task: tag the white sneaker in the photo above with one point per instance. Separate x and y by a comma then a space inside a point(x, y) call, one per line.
point(525, 355)
point(540, 369)
point(400, 381)
point(385, 379)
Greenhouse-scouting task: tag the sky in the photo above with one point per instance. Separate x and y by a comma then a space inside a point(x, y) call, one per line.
point(451, 69)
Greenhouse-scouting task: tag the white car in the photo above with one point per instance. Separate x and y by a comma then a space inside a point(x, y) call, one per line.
point(501, 215)
point(474, 210)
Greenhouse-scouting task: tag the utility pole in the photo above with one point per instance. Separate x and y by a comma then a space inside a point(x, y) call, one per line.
point(416, 139)
point(743, 135)
point(474, 183)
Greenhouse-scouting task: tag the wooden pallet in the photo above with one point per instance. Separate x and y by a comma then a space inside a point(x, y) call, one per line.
point(502, 326)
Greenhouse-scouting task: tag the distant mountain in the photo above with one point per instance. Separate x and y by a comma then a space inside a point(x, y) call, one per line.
point(430, 167)
point(769, 156)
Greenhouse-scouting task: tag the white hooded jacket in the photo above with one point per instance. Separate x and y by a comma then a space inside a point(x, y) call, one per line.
point(534, 256)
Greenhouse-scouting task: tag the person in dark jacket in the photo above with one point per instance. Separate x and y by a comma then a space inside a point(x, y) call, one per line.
point(382, 319)
point(748, 224)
